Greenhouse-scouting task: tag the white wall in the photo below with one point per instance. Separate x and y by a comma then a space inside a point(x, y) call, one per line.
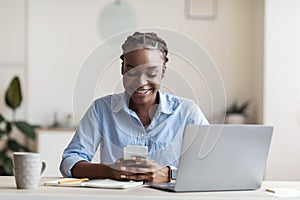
point(282, 93)
point(62, 33)
point(12, 51)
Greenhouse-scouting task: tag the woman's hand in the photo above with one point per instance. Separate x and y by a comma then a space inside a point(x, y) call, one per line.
point(139, 169)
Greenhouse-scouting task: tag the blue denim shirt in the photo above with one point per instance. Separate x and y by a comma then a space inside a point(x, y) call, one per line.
point(112, 125)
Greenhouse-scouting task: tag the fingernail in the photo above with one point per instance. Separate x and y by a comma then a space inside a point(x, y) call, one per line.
point(123, 176)
point(123, 168)
point(133, 158)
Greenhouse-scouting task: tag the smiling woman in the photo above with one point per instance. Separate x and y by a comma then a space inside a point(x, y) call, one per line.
point(140, 116)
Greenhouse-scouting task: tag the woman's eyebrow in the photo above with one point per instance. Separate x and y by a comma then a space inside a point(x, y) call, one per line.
point(152, 67)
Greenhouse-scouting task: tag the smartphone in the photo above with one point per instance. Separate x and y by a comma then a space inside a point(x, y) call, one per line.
point(130, 151)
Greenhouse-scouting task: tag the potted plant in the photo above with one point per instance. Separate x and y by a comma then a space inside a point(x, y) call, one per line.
point(236, 113)
point(9, 142)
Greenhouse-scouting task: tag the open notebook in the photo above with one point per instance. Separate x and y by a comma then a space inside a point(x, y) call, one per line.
point(95, 183)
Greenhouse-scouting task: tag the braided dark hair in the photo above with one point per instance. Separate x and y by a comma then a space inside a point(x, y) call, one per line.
point(145, 40)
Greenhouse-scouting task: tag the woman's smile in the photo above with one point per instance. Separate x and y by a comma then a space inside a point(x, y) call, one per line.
point(140, 91)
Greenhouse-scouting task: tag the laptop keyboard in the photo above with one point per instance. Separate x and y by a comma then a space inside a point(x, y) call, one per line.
point(170, 185)
point(167, 185)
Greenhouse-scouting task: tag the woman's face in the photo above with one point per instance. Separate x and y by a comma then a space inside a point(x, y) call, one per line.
point(142, 71)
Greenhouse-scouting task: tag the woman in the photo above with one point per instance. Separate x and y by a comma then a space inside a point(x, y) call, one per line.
point(142, 115)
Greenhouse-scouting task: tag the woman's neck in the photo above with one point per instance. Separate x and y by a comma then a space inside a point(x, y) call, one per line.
point(145, 111)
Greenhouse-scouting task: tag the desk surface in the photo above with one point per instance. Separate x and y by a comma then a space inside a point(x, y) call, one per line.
point(8, 191)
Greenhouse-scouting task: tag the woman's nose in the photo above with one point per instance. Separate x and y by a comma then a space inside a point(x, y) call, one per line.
point(141, 79)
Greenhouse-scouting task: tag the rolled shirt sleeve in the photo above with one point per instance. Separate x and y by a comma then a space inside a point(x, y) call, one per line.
point(84, 143)
point(196, 116)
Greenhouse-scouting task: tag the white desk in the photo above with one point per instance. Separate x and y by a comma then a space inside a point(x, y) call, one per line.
point(8, 191)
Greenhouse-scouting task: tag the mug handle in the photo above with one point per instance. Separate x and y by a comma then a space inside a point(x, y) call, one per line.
point(43, 169)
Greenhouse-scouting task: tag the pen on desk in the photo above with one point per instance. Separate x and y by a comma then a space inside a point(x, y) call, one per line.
point(72, 180)
point(270, 190)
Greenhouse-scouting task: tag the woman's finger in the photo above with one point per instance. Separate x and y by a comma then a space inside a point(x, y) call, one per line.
point(148, 177)
point(137, 169)
point(145, 162)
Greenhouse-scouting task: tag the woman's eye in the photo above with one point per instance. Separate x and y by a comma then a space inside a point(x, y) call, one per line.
point(131, 73)
point(151, 74)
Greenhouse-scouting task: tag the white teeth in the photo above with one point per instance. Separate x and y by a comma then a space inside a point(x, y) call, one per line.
point(142, 91)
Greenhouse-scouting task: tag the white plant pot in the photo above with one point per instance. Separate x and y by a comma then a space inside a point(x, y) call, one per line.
point(235, 119)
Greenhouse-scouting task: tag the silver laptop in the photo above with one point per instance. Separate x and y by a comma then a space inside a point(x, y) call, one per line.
point(221, 157)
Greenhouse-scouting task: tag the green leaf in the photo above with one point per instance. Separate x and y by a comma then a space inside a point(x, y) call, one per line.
point(13, 145)
point(2, 172)
point(2, 156)
point(8, 127)
point(1, 118)
point(25, 128)
point(35, 126)
point(236, 108)
point(13, 94)
point(8, 166)
point(244, 106)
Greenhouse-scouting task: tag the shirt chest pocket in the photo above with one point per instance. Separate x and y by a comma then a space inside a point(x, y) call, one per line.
point(163, 139)
point(165, 153)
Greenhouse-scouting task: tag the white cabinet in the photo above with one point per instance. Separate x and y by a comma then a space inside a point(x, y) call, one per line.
point(51, 144)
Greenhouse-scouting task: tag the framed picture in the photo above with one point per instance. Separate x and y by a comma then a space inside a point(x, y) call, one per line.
point(201, 9)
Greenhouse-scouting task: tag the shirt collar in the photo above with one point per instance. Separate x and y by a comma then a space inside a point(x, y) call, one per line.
point(121, 100)
point(165, 105)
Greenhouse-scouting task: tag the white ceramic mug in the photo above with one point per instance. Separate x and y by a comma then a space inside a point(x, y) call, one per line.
point(28, 169)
